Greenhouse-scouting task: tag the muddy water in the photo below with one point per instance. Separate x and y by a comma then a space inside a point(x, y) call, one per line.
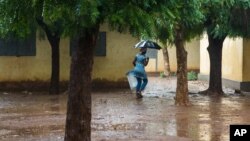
point(118, 116)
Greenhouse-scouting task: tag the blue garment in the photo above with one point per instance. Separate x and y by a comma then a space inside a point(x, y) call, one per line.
point(139, 72)
point(139, 69)
point(141, 84)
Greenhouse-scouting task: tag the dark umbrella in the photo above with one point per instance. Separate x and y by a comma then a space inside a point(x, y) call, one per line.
point(147, 44)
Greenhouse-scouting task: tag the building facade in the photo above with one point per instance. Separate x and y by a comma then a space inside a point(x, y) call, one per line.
point(235, 63)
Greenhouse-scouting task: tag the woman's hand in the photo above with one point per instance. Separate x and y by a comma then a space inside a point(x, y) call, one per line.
point(146, 61)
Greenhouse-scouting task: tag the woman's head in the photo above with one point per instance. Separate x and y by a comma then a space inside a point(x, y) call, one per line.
point(143, 50)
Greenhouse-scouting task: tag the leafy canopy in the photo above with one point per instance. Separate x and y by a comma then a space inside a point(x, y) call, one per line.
point(152, 18)
point(135, 16)
point(226, 18)
point(16, 17)
point(176, 15)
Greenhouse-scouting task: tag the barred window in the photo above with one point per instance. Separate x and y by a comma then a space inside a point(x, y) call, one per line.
point(18, 47)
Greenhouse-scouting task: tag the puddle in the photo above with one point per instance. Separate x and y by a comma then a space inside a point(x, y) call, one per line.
point(119, 116)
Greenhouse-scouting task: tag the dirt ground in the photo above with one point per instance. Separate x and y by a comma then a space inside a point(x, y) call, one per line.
point(118, 116)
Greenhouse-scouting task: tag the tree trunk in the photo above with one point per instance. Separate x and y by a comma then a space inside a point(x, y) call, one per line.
point(54, 40)
point(215, 56)
point(78, 121)
point(55, 65)
point(182, 84)
point(166, 61)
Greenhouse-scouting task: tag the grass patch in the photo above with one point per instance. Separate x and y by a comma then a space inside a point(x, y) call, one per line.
point(191, 76)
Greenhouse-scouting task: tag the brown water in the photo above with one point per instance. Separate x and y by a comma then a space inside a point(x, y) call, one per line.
point(118, 116)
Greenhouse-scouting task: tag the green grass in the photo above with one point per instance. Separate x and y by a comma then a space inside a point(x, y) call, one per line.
point(162, 75)
point(192, 76)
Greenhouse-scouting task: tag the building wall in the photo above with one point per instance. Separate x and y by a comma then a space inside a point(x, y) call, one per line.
point(232, 60)
point(33, 67)
point(246, 62)
point(193, 59)
point(113, 66)
point(118, 61)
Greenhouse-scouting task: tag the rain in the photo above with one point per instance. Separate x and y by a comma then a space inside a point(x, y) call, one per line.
point(118, 116)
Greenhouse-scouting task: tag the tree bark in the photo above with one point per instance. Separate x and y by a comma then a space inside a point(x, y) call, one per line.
point(78, 121)
point(182, 84)
point(166, 61)
point(55, 65)
point(54, 40)
point(215, 56)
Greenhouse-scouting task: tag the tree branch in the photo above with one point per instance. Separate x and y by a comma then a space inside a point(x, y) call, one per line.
point(44, 26)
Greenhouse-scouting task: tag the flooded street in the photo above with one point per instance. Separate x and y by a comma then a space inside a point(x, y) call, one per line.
point(118, 116)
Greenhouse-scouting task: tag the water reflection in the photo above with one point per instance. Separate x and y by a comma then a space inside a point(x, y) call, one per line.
point(55, 104)
point(182, 124)
point(30, 117)
point(214, 119)
point(119, 116)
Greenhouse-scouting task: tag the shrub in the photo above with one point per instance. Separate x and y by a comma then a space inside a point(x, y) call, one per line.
point(192, 76)
point(162, 75)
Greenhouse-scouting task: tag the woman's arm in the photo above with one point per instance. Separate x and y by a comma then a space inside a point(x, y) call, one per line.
point(134, 61)
point(146, 61)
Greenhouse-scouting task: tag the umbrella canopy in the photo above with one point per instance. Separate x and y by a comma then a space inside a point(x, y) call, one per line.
point(147, 44)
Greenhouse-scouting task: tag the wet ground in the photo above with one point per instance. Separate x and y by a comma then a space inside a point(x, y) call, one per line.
point(119, 116)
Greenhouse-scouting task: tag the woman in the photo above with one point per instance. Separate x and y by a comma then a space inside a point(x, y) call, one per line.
point(139, 72)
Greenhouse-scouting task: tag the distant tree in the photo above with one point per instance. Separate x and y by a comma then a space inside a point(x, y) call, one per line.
point(184, 24)
point(53, 29)
point(175, 25)
point(224, 18)
point(166, 61)
point(18, 17)
point(163, 35)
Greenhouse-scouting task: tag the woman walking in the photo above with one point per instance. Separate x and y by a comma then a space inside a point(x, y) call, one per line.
point(139, 72)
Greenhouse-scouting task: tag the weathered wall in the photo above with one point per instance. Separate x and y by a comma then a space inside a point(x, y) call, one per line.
point(232, 62)
point(120, 54)
point(35, 67)
point(232, 59)
point(246, 62)
point(193, 60)
point(112, 67)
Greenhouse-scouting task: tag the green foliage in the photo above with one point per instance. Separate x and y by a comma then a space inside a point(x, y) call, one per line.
point(175, 15)
point(133, 16)
point(162, 75)
point(174, 74)
point(227, 18)
point(13, 18)
point(239, 21)
point(192, 76)
point(157, 19)
point(74, 16)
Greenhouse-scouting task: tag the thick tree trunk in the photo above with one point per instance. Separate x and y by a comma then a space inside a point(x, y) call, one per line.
point(182, 84)
point(215, 56)
point(78, 122)
point(55, 65)
point(166, 61)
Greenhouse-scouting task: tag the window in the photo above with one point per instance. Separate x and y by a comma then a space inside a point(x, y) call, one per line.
point(18, 47)
point(100, 49)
